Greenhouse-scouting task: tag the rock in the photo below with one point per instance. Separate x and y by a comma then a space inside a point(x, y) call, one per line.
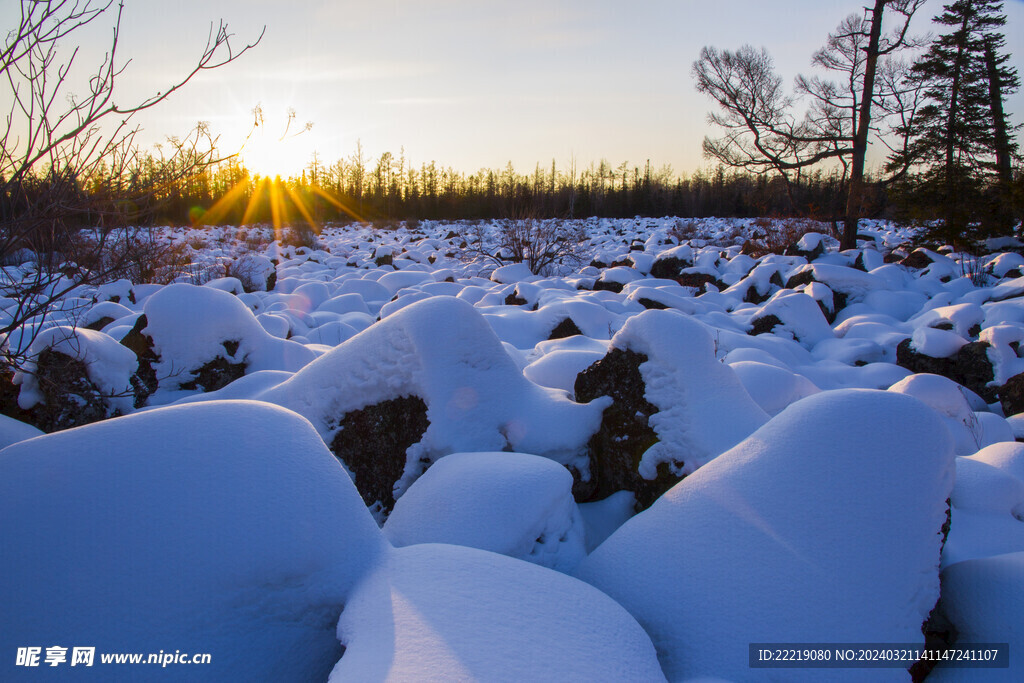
point(810, 246)
point(99, 324)
point(625, 433)
point(917, 259)
point(651, 304)
point(764, 324)
point(565, 328)
point(699, 280)
point(71, 399)
point(144, 381)
point(372, 443)
point(608, 285)
point(669, 268)
point(970, 367)
point(215, 374)
point(1011, 395)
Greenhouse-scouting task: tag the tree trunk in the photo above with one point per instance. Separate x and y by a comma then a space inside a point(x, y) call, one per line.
point(860, 138)
point(952, 204)
point(1004, 168)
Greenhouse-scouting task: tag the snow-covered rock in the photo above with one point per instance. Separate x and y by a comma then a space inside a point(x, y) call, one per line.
point(823, 524)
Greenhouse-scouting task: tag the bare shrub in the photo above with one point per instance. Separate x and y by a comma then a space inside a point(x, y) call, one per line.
point(775, 236)
point(300, 235)
point(542, 245)
point(134, 254)
point(683, 231)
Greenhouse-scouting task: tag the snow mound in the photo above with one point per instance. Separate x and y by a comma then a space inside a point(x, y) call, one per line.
point(823, 525)
point(13, 431)
point(703, 407)
point(221, 527)
point(444, 612)
point(772, 387)
point(985, 599)
point(510, 503)
point(191, 326)
point(477, 398)
point(108, 365)
point(948, 399)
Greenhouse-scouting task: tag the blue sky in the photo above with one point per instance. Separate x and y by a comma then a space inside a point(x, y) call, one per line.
point(473, 83)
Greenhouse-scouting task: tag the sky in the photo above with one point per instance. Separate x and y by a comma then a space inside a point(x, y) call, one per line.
point(465, 83)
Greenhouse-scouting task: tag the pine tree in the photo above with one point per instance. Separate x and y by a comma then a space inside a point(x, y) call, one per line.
point(962, 136)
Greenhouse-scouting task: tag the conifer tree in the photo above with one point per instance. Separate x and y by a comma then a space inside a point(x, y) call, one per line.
point(962, 135)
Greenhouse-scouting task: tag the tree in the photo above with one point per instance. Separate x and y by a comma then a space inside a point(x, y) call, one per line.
point(962, 137)
point(63, 138)
point(761, 132)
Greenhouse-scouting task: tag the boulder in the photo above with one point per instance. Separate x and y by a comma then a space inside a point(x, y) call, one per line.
point(969, 366)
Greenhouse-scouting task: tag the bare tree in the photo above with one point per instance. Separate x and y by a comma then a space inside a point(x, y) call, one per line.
point(68, 157)
point(763, 135)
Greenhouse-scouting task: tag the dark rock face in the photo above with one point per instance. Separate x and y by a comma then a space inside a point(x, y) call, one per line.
point(372, 442)
point(753, 296)
point(916, 259)
point(764, 324)
point(566, 328)
point(99, 324)
point(71, 399)
point(794, 250)
point(939, 632)
point(608, 286)
point(214, 375)
point(1011, 395)
point(144, 381)
point(514, 299)
point(669, 268)
point(698, 280)
point(625, 433)
point(651, 304)
point(804, 277)
point(970, 367)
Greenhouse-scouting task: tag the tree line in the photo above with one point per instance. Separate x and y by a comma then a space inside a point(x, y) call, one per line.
point(389, 188)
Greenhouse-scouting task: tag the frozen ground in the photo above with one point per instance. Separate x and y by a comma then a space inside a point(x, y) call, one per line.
point(390, 456)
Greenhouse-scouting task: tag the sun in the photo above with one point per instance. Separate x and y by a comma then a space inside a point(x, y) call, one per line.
point(277, 145)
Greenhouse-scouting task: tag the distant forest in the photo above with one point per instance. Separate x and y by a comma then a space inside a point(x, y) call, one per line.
point(390, 189)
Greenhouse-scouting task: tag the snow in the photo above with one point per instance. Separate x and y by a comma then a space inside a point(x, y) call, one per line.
point(772, 387)
point(477, 398)
point(770, 541)
point(515, 504)
point(949, 401)
point(444, 612)
point(108, 365)
point(184, 346)
point(985, 598)
point(691, 389)
point(223, 527)
point(13, 431)
point(810, 510)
